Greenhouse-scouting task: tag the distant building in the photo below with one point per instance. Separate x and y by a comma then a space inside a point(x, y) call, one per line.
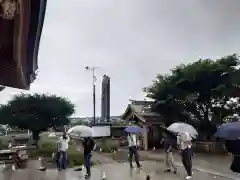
point(105, 109)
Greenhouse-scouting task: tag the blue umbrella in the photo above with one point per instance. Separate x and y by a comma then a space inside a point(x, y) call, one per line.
point(133, 129)
point(229, 131)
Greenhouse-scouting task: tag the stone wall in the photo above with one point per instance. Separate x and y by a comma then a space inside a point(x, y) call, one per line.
point(209, 147)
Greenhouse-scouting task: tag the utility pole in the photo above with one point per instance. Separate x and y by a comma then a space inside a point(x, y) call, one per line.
point(94, 90)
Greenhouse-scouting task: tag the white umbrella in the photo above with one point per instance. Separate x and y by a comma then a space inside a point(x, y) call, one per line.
point(183, 128)
point(81, 131)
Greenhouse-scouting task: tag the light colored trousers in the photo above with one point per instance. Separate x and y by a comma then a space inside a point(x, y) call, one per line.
point(169, 161)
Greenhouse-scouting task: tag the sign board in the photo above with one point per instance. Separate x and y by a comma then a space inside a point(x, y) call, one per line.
point(101, 130)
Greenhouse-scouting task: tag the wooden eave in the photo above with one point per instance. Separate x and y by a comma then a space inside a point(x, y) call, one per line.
point(19, 48)
point(130, 112)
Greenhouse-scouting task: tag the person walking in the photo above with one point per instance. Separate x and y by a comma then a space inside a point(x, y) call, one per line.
point(58, 156)
point(185, 144)
point(233, 147)
point(62, 154)
point(88, 145)
point(133, 151)
point(169, 160)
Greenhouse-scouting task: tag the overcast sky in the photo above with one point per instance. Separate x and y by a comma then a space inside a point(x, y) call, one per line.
point(131, 41)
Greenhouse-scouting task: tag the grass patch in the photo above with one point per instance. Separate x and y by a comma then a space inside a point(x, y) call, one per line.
point(16, 140)
point(107, 145)
point(48, 146)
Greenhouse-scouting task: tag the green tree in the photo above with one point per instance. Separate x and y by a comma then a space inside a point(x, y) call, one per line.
point(199, 93)
point(36, 112)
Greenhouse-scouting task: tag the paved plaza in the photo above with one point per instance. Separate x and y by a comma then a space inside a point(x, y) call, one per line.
point(116, 171)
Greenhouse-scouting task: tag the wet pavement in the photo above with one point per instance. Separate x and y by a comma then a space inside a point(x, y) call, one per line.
point(117, 171)
point(208, 163)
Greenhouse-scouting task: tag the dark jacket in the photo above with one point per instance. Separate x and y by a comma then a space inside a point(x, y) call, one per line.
point(169, 143)
point(88, 145)
point(235, 166)
point(233, 147)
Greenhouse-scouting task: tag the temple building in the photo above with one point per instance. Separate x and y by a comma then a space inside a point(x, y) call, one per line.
point(139, 112)
point(21, 23)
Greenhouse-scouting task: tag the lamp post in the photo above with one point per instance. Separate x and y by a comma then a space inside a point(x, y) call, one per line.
point(94, 90)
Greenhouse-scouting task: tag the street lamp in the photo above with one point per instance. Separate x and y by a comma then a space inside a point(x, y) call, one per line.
point(94, 90)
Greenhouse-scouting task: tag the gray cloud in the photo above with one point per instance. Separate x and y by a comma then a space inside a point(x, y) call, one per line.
point(131, 41)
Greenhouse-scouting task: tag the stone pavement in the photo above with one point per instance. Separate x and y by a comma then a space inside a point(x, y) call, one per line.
point(117, 171)
point(154, 169)
point(212, 164)
point(30, 173)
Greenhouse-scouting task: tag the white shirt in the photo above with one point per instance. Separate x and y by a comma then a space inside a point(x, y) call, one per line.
point(184, 141)
point(132, 140)
point(63, 144)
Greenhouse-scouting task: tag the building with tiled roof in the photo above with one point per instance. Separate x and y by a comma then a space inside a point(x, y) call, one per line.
point(140, 112)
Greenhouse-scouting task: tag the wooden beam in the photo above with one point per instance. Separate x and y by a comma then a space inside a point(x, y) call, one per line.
point(17, 67)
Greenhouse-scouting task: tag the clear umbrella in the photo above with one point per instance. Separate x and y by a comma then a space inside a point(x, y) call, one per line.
point(182, 128)
point(81, 131)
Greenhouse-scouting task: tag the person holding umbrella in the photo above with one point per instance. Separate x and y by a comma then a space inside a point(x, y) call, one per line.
point(233, 147)
point(185, 135)
point(133, 144)
point(133, 150)
point(85, 134)
point(88, 145)
point(230, 132)
point(185, 144)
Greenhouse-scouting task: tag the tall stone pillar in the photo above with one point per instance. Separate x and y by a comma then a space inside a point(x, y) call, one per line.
point(145, 137)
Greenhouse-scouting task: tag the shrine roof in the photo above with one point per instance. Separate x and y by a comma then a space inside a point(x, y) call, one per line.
point(141, 109)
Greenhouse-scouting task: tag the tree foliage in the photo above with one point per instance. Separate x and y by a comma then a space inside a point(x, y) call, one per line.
point(203, 93)
point(36, 112)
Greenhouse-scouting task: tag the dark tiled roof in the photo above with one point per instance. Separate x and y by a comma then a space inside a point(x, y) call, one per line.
point(143, 110)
